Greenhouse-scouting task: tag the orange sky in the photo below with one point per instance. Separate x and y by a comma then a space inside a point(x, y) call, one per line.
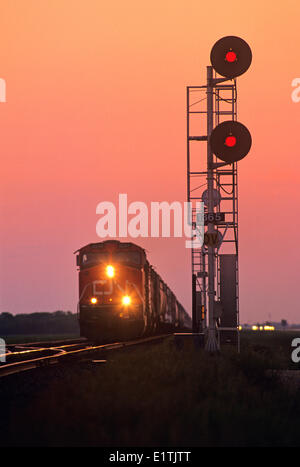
point(96, 106)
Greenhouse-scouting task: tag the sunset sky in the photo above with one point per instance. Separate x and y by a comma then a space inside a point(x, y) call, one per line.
point(96, 106)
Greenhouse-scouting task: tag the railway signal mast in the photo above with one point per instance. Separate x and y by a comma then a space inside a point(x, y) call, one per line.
point(215, 265)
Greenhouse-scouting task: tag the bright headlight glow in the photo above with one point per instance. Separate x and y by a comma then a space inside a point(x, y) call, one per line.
point(110, 271)
point(126, 300)
point(94, 300)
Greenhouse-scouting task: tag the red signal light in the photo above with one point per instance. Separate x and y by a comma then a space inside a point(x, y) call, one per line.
point(231, 57)
point(230, 141)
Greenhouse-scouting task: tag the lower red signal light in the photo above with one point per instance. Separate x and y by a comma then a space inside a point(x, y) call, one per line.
point(231, 57)
point(230, 141)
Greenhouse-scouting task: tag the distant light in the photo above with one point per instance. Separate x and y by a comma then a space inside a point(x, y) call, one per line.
point(230, 141)
point(266, 327)
point(240, 327)
point(126, 300)
point(110, 271)
point(230, 57)
point(94, 300)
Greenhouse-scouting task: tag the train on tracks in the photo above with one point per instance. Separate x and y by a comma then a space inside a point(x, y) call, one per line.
point(121, 296)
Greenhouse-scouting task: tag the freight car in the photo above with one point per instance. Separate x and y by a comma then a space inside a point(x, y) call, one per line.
point(121, 296)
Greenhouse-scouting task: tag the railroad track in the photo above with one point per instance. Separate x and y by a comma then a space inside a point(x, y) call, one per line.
point(28, 357)
point(42, 344)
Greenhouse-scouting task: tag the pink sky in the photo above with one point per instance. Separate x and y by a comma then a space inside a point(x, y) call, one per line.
point(96, 107)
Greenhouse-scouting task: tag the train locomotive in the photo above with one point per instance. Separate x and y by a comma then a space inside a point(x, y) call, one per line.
point(121, 296)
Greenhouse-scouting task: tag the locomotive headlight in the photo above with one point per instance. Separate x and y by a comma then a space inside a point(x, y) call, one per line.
point(110, 271)
point(93, 300)
point(126, 300)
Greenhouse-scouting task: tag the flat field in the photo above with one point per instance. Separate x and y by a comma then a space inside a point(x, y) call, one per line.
point(157, 395)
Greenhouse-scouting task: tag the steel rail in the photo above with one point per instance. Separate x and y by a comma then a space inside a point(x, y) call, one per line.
point(42, 349)
point(17, 367)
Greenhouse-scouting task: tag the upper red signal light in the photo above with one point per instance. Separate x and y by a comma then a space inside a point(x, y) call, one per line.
point(231, 57)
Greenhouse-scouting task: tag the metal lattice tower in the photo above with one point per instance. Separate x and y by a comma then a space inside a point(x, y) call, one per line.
point(207, 106)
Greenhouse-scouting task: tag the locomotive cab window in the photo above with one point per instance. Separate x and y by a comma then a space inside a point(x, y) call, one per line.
point(93, 258)
point(132, 257)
